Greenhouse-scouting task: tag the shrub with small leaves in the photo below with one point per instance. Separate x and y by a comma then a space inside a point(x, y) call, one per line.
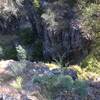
point(36, 3)
point(55, 84)
point(18, 83)
point(27, 36)
point(21, 52)
point(10, 53)
point(80, 87)
point(65, 82)
point(91, 26)
point(37, 53)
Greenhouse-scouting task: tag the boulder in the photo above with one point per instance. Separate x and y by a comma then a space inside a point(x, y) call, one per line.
point(5, 72)
point(10, 69)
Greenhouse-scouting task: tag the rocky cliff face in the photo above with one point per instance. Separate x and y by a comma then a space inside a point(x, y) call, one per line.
point(62, 33)
point(14, 15)
point(57, 26)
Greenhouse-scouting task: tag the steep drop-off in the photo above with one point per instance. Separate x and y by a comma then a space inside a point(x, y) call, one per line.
point(57, 26)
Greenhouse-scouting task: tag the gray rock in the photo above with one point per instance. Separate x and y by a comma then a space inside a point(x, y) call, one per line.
point(62, 36)
point(7, 97)
point(11, 68)
point(56, 71)
point(69, 72)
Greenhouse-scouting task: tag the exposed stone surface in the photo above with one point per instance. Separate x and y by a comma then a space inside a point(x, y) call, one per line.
point(32, 91)
point(62, 32)
point(15, 15)
point(57, 26)
point(11, 68)
point(8, 93)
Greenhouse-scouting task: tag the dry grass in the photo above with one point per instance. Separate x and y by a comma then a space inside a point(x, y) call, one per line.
point(52, 65)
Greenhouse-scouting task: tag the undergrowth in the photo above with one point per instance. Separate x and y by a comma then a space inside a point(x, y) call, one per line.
point(56, 84)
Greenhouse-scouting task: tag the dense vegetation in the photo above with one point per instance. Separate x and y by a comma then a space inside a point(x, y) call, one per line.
point(30, 46)
point(62, 33)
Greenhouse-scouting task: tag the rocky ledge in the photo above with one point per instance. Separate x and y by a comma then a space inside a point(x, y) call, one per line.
point(10, 69)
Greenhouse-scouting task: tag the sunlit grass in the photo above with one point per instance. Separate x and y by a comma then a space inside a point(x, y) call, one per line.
point(84, 73)
point(52, 65)
point(17, 84)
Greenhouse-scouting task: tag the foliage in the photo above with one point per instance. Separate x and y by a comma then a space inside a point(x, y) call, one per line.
point(64, 82)
point(70, 2)
point(27, 36)
point(21, 52)
point(7, 51)
point(55, 84)
point(60, 61)
point(29, 40)
point(36, 3)
point(38, 50)
point(52, 65)
point(86, 73)
point(80, 87)
point(91, 26)
point(10, 53)
point(91, 18)
point(17, 68)
point(91, 64)
point(80, 72)
point(18, 83)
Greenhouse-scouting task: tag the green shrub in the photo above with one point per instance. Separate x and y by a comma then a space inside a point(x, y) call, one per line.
point(71, 2)
point(29, 39)
point(21, 52)
point(65, 82)
point(38, 50)
point(91, 18)
point(55, 84)
point(36, 3)
point(91, 64)
point(18, 83)
point(80, 87)
point(10, 53)
point(27, 36)
point(91, 25)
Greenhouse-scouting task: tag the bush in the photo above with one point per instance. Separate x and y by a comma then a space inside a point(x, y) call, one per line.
point(21, 52)
point(18, 83)
point(91, 16)
point(91, 26)
point(55, 84)
point(65, 82)
point(31, 46)
point(36, 3)
point(1, 52)
point(91, 64)
point(10, 53)
point(38, 50)
point(27, 36)
point(80, 87)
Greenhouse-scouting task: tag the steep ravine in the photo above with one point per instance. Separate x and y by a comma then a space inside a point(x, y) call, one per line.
point(57, 27)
